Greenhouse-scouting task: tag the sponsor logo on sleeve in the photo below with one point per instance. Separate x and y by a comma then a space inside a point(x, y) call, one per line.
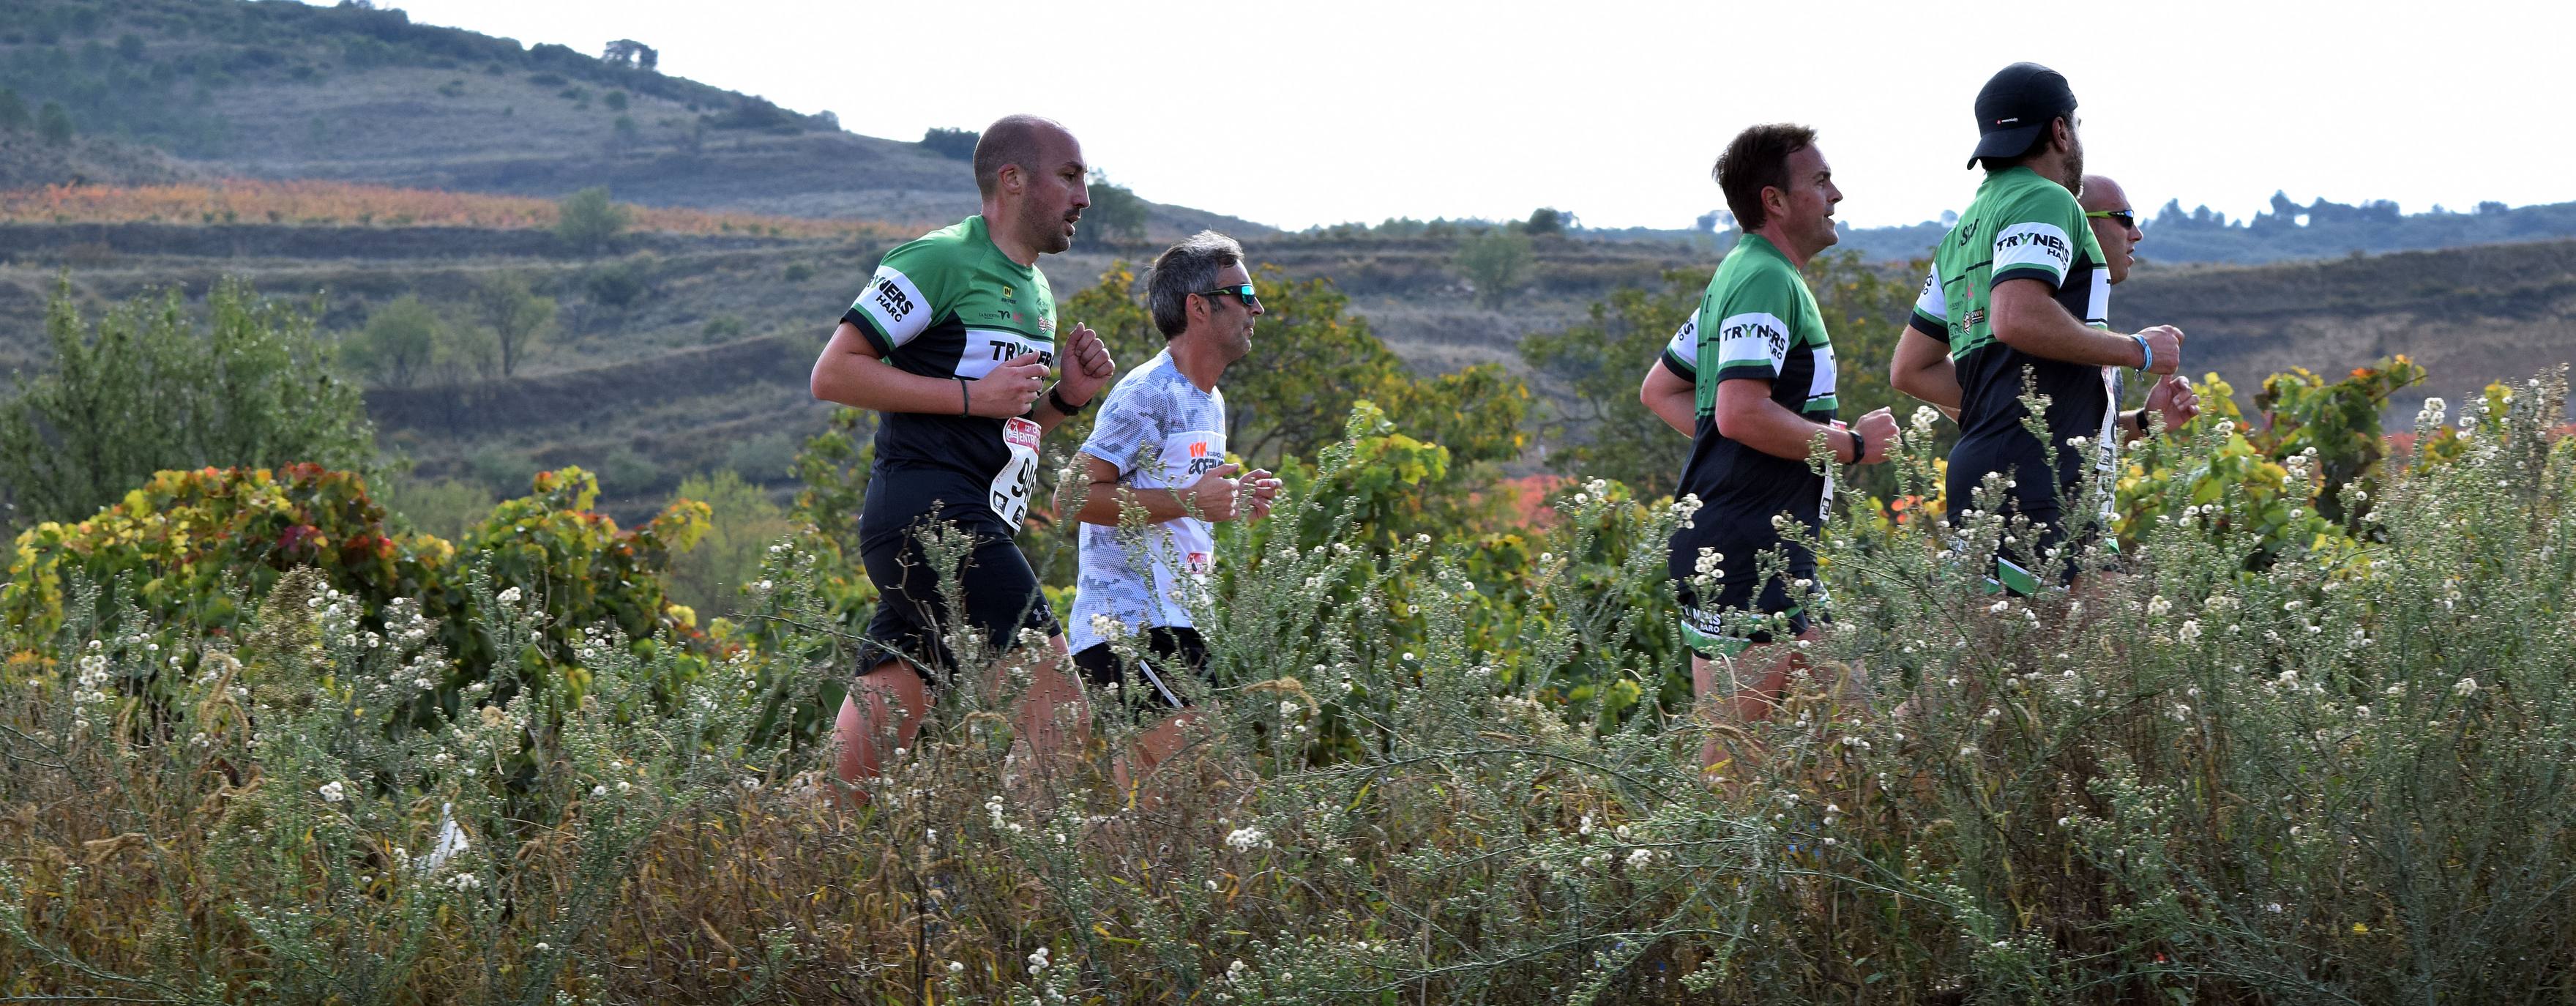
point(1753, 337)
point(2034, 244)
point(895, 304)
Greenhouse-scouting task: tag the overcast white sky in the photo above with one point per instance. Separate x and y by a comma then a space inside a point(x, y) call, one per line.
point(1334, 110)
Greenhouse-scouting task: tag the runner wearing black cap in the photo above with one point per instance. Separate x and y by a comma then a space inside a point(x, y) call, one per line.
point(2020, 292)
point(1923, 367)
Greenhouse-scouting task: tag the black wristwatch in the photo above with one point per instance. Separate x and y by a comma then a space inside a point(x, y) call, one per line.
point(1860, 448)
point(1055, 397)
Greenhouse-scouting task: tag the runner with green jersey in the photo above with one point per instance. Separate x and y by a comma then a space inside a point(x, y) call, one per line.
point(1768, 329)
point(950, 305)
point(2023, 226)
point(1762, 401)
point(950, 343)
point(2019, 300)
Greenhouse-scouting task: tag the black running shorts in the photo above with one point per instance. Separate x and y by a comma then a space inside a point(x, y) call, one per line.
point(911, 620)
point(1170, 651)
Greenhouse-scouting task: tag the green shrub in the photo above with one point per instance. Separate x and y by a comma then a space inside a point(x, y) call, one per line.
point(1495, 264)
point(443, 507)
point(148, 386)
point(743, 523)
point(618, 284)
point(1437, 768)
point(588, 222)
point(54, 124)
point(178, 558)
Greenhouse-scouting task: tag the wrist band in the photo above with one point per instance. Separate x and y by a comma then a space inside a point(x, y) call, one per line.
point(2146, 351)
point(1860, 448)
point(965, 405)
point(1055, 396)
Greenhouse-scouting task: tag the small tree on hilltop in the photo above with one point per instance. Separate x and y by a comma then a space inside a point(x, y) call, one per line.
point(1496, 262)
point(588, 221)
point(148, 388)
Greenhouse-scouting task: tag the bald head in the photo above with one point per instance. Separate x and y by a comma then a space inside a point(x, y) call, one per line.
point(1019, 141)
point(2119, 235)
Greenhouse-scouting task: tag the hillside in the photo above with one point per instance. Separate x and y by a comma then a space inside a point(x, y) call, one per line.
point(285, 90)
point(2469, 314)
point(704, 366)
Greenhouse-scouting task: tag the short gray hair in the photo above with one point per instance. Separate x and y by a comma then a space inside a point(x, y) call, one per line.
point(1184, 269)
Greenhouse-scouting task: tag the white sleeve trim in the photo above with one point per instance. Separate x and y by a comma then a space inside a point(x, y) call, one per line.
point(1931, 304)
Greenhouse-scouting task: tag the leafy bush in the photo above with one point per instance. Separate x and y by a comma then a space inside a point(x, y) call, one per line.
point(588, 222)
point(54, 124)
point(149, 387)
point(743, 522)
point(2332, 778)
point(400, 344)
point(1495, 264)
point(178, 558)
point(618, 284)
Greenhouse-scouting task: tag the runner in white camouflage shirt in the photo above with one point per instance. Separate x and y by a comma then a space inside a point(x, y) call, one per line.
point(1158, 453)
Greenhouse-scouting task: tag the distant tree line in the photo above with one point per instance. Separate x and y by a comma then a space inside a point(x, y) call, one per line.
point(958, 144)
point(2323, 229)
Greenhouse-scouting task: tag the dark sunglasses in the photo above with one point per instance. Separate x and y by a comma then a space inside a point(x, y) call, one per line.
point(2127, 218)
point(1240, 290)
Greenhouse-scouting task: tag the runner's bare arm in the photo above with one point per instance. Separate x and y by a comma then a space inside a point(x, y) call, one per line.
point(851, 373)
point(1922, 368)
point(1670, 398)
point(2028, 317)
point(1747, 415)
point(1217, 495)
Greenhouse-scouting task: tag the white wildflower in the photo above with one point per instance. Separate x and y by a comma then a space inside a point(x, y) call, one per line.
point(333, 792)
point(510, 596)
point(1245, 839)
point(2466, 687)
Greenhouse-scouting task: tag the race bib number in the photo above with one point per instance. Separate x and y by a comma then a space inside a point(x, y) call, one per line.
point(1019, 476)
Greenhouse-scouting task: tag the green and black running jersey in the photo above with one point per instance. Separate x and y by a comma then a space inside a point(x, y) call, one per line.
point(2020, 226)
point(1758, 322)
point(951, 305)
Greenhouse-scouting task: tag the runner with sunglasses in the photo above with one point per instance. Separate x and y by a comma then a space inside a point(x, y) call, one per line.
point(1157, 453)
point(1764, 400)
point(2020, 286)
point(950, 343)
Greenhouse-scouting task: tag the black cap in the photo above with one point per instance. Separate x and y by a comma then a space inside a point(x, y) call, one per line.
point(2015, 105)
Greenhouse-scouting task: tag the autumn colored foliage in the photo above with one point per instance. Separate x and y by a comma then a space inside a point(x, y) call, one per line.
point(347, 204)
